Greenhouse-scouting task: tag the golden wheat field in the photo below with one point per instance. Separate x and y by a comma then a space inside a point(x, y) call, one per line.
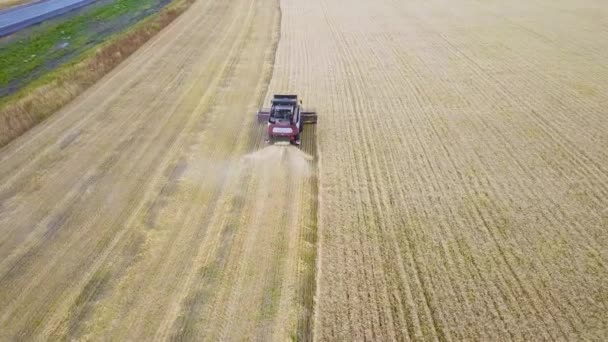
point(454, 188)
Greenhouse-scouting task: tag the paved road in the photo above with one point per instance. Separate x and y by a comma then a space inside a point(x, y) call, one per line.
point(17, 18)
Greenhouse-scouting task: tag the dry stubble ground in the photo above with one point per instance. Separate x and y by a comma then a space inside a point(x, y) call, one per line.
point(463, 165)
point(142, 210)
point(463, 180)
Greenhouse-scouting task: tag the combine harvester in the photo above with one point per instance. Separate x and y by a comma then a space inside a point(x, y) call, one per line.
point(285, 119)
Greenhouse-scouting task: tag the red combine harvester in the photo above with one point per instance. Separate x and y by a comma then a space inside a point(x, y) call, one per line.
point(286, 118)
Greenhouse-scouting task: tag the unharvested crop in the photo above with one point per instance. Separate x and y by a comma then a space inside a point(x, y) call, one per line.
point(463, 166)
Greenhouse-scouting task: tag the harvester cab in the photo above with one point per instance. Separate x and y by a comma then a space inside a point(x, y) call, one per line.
point(285, 119)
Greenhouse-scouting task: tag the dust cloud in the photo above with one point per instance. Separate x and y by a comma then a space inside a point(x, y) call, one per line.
point(287, 157)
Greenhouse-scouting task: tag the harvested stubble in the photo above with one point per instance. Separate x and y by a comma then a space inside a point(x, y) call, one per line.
point(31, 105)
point(133, 213)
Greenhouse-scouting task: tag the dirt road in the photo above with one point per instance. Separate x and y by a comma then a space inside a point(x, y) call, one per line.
point(463, 165)
point(147, 209)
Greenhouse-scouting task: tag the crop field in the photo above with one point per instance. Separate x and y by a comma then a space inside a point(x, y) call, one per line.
point(454, 188)
point(29, 54)
point(146, 209)
point(463, 166)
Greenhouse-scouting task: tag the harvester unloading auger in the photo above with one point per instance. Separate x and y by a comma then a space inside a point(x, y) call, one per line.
point(286, 118)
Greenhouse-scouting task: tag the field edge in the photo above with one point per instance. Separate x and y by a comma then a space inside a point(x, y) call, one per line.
point(42, 98)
